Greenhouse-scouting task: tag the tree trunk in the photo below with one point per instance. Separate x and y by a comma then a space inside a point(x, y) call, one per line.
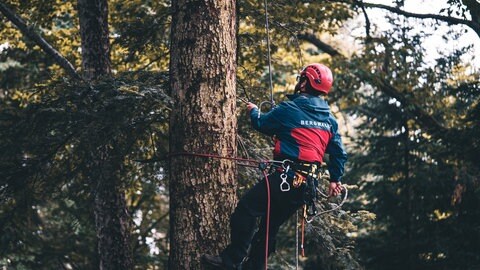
point(202, 74)
point(112, 221)
point(93, 18)
point(111, 217)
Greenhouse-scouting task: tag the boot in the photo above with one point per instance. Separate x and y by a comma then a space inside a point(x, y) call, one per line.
point(254, 264)
point(215, 262)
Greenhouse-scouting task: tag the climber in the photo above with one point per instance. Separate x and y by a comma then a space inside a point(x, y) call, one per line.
point(304, 130)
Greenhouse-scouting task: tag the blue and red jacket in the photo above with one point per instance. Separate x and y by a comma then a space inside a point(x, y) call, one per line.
point(305, 130)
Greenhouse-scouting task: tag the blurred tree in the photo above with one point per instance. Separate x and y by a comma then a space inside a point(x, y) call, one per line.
point(50, 172)
point(104, 163)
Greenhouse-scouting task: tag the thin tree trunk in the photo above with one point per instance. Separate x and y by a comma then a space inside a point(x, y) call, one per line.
point(93, 18)
point(111, 217)
point(202, 70)
point(112, 221)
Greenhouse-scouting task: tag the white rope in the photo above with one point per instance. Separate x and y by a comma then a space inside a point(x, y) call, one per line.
point(310, 219)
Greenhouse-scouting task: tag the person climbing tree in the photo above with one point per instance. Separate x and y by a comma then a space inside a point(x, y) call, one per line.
point(304, 130)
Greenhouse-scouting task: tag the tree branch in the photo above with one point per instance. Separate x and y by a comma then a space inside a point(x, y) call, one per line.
point(383, 85)
point(39, 40)
point(428, 121)
point(319, 44)
point(450, 20)
point(367, 20)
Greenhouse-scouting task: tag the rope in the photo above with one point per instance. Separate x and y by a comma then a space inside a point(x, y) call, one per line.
point(267, 29)
point(248, 162)
point(303, 230)
point(262, 165)
point(267, 219)
point(296, 241)
point(329, 210)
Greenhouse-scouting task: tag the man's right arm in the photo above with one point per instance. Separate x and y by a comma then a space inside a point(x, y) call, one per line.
point(337, 157)
point(267, 123)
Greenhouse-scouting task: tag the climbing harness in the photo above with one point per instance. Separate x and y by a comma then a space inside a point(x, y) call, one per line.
point(286, 167)
point(308, 175)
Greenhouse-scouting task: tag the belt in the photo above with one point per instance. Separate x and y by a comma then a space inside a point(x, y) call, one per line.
point(299, 171)
point(301, 174)
point(306, 168)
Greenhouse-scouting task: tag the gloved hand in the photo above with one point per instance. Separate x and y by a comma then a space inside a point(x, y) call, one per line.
point(335, 188)
point(250, 106)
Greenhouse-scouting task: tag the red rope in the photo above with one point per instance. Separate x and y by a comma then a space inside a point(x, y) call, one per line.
point(257, 165)
point(267, 220)
point(251, 161)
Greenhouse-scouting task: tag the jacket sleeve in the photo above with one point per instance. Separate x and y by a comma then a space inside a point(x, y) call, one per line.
point(337, 156)
point(268, 123)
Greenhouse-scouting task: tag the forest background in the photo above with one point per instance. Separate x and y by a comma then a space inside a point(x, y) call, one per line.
point(409, 115)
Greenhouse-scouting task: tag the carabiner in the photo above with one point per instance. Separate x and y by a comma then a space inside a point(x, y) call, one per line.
point(284, 186)
point(272, 105)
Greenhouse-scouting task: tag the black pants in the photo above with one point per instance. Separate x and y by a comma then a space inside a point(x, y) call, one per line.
point(244, 218)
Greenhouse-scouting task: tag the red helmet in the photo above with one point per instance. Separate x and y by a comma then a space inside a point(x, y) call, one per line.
point(319, 76)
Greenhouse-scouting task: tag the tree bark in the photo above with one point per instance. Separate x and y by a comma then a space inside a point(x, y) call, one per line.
point(112, 221)
point(111, 217)
point(203, 120)
point(93, 18)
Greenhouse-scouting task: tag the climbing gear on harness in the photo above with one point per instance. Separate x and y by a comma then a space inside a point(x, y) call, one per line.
point(319, 76)
point(308, 220)
point(311, 192)
point(308, 173)
point(298, 180)
point(284, 186)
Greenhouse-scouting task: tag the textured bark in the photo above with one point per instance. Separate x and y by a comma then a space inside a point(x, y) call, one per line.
point(111, 217)
point(203, 120)
point(93, 18)
point(112, 221)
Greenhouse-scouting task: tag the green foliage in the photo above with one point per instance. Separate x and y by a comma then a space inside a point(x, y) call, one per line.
point(413, 151)
point(49, 134)
point(415, 169)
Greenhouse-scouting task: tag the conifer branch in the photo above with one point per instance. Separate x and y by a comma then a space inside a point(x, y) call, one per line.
point(319, 44)
point(39, 40)
point(383, 85)
point(448, 19)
